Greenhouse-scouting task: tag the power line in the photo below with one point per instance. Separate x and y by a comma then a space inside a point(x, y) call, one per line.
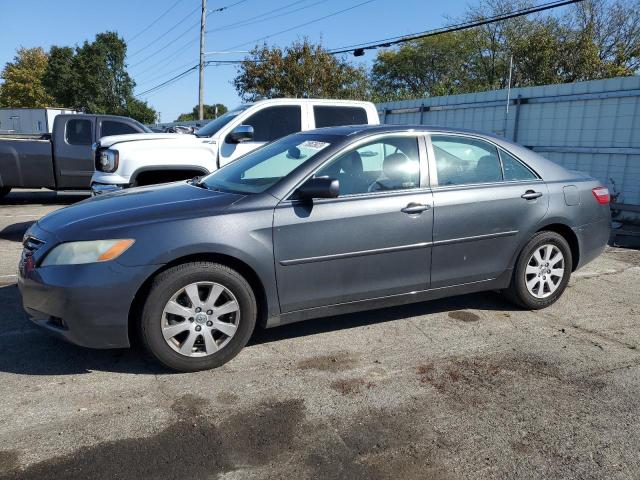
point(358, 49)
point(152, 42)
point(175, 53)
point(154, 22)
point(185, 32)
point(189, 70)
point(261, 17)
point(222, 9)
point(380, 43)
point(168, 82)
point(333, 14)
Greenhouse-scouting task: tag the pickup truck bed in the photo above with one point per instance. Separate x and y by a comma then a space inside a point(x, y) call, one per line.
point(26, 161)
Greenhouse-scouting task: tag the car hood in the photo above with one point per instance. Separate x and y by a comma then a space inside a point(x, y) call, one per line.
point(106, 142)
point(135, 207)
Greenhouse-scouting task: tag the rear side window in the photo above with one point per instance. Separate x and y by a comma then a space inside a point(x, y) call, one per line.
point(514, 169)
point(329, 116)
point(109, 127)
point(78, 132)
point(272, 123)
point(462, 160)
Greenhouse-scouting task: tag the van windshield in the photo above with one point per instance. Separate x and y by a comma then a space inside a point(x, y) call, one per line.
point(216, 124)
point(256, 171)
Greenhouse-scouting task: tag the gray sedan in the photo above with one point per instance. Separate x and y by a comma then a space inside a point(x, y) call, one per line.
point(318, 223)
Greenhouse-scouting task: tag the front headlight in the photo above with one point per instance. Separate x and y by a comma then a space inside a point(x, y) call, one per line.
point(107, 160)
point(74, 253)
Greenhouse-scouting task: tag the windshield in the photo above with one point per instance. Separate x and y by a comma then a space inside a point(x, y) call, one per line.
point(214, 125)
point(263, 168)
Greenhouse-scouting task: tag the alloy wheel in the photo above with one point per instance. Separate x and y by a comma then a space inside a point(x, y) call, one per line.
point(200, 319)
point(545, 271)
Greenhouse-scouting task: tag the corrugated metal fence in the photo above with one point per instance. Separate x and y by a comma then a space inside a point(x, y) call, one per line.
point(589, 126)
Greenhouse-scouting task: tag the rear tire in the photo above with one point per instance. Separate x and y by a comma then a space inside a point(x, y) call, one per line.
point(542, 271)
point(198, 316)
point(4, 191)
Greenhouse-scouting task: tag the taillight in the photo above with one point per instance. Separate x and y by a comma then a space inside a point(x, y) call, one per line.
point(601, 194)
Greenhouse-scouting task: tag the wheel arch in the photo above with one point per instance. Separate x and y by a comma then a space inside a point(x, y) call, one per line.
point(135, 310)
point(566, 232)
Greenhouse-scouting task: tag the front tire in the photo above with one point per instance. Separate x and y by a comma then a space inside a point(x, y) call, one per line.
point(542, 271)
point(198, 316)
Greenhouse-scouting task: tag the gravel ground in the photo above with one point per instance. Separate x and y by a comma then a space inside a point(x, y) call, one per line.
point(467, 387)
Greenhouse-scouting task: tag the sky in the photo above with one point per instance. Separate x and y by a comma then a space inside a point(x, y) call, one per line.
point(163, 35)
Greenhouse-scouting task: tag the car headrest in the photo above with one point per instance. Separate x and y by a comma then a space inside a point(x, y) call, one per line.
point(351, 163)
point(396, 166)
point(488, 168)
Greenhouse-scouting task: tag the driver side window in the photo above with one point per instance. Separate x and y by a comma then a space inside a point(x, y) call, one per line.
point(275, 122)
point(387, 164)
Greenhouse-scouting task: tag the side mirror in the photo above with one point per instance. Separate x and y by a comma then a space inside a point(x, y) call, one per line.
point(241, 133)
point(322, 187)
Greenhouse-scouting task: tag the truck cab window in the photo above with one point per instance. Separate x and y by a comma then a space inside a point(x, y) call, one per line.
point(276, 122)
point(329, 116)
point(110, 127)
point(78, 132)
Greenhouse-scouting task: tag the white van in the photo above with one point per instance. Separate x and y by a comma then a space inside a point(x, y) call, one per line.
point(123, 161)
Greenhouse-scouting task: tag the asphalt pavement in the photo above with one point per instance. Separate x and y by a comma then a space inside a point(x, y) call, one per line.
point(466, 387)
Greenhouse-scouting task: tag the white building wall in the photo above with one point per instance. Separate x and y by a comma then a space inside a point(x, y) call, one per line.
point(590, 126)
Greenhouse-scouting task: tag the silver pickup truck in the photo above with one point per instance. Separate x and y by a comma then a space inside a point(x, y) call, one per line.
point(61, 160)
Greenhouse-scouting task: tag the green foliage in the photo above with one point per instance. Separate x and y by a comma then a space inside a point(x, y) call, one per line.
point(430, 66)
point(93, 78)
point(22, 85)
point(209, 112)
point(595, 39)
point(301, 70)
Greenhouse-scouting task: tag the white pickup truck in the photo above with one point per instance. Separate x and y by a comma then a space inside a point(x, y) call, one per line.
point(123, 161)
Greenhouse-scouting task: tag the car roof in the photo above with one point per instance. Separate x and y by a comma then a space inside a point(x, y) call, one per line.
point(363, 130)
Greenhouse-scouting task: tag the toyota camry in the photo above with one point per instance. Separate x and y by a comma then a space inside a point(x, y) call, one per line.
point(318, 223)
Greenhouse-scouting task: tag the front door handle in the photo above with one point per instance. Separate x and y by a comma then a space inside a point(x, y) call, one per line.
point(414, 208)
point(531, 195)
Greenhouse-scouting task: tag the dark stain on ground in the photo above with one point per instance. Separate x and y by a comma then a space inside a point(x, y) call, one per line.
point(335, 362)
point(351, 385)
point(471, 380)
point(464, 316)
point(195, 446)
point(227, 398)
point(8, 460)
point(377, 444)
point(189, 406)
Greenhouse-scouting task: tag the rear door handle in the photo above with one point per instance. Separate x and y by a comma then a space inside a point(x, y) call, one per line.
point(414, 208)
point(531, 195)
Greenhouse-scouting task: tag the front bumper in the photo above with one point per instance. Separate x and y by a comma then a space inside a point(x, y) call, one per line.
point(100, 188)
point(85, 304)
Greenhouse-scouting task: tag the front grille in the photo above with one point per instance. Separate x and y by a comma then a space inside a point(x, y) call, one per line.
point(32, 244)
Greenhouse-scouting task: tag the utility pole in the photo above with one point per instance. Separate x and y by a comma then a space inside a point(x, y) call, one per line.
point(203, 19)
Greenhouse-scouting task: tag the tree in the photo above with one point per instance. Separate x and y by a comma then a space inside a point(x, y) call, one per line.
point(614, 29)
point(139, 110)
point(301, 70)
point(595, 39)
point(209, 112)
point(430, 66)
point(93, 78)
point(22, 85)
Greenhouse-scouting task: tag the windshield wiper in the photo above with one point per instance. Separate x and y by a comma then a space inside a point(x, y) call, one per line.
point(197, 181)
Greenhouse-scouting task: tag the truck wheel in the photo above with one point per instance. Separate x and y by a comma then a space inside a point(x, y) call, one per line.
point(542, 271)
point(198, 316)
point(4, 191)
